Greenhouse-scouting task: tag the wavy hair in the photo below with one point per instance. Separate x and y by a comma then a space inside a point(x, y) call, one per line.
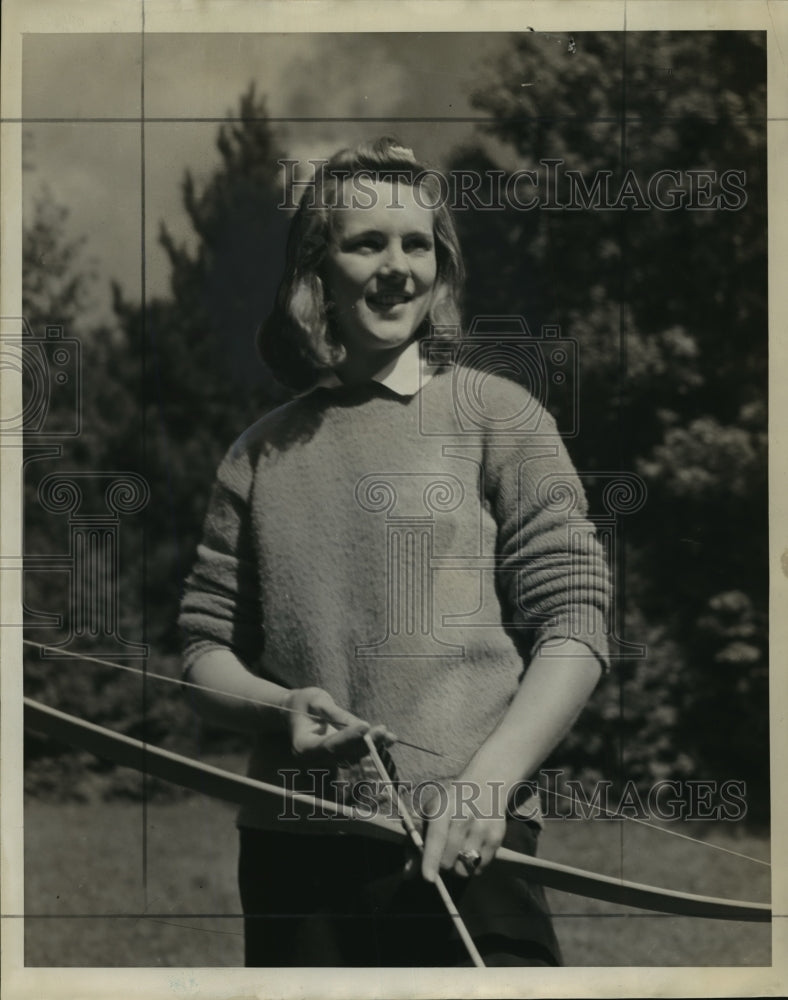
point(299, 340)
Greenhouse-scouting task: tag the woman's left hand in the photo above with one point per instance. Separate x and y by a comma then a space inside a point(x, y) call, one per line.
point(463, 815)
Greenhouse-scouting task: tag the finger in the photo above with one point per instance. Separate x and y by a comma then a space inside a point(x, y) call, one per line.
point(310, 726)
point(307, 735)
point(324, 705)
point(487, 850)
point(466, 869)
point(382, 736)
point(434, 845)
point(456, 840)
point(431, 804)
point(350, 741)
point(347, 741)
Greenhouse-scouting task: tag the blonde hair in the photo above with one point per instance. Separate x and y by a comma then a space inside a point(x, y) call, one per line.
point(298, 340)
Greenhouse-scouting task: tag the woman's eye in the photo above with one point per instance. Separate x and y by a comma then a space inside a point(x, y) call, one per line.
point(373, 244)
point(366, 245)
point(422, 245)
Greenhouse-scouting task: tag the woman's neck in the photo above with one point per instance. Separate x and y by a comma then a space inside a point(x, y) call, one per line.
point(357, 368)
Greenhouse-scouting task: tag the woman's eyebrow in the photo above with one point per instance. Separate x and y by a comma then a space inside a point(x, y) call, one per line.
point(355, 234)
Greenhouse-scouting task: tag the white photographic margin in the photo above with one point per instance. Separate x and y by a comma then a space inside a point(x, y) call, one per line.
point(51, 16)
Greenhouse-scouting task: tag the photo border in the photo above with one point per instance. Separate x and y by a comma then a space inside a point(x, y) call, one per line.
point(52, 16)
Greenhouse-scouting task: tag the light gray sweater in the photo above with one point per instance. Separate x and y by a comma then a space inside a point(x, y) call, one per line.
point(405, 555)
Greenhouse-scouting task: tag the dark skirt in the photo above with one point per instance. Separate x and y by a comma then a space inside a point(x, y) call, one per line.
point(342, 901)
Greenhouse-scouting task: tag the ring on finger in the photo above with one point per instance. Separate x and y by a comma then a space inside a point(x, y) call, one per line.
point(470, 858)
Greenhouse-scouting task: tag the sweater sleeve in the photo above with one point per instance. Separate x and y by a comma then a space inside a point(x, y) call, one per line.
point(552, 570)
point(221, 606)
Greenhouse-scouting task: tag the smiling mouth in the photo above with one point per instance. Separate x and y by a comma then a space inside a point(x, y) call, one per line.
point(387, 300)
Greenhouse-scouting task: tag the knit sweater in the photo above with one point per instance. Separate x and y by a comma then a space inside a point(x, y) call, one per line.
point(403, 557)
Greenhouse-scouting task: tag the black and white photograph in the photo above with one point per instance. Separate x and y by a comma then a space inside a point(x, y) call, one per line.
point(393, 546)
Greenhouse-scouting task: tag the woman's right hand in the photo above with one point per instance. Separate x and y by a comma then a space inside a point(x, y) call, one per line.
point(325, 733)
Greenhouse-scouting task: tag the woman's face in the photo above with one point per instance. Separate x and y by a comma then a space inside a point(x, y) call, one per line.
point(381, 268)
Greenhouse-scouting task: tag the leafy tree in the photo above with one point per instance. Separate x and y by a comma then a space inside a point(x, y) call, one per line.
point(669, 311)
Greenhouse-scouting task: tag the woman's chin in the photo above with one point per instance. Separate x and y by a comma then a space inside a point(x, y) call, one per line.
point(387, 337)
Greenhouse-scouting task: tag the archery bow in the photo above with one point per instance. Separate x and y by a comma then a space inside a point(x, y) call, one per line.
point(230, 787)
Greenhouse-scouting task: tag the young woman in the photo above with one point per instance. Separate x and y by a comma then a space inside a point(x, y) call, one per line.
point(385, 553)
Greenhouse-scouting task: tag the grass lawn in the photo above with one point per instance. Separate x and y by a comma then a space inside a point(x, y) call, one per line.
point(106, 885)
point(113, 885)
point(596, 933)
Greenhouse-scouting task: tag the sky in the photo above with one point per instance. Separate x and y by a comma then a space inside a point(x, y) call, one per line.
point(83, 96)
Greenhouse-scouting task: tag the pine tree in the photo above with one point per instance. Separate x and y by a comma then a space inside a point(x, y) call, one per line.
point(201, 382)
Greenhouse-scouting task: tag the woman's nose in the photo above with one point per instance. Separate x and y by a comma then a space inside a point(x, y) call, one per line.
point(395, 260)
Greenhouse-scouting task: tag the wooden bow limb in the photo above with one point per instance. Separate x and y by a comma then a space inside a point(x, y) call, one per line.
point(230, 787)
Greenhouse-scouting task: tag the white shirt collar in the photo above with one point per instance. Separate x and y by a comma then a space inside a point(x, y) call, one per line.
point(404, 375)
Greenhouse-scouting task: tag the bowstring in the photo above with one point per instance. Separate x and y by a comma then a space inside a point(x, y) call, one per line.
point(211, 690)
point(601, 810)
point(650, 825)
